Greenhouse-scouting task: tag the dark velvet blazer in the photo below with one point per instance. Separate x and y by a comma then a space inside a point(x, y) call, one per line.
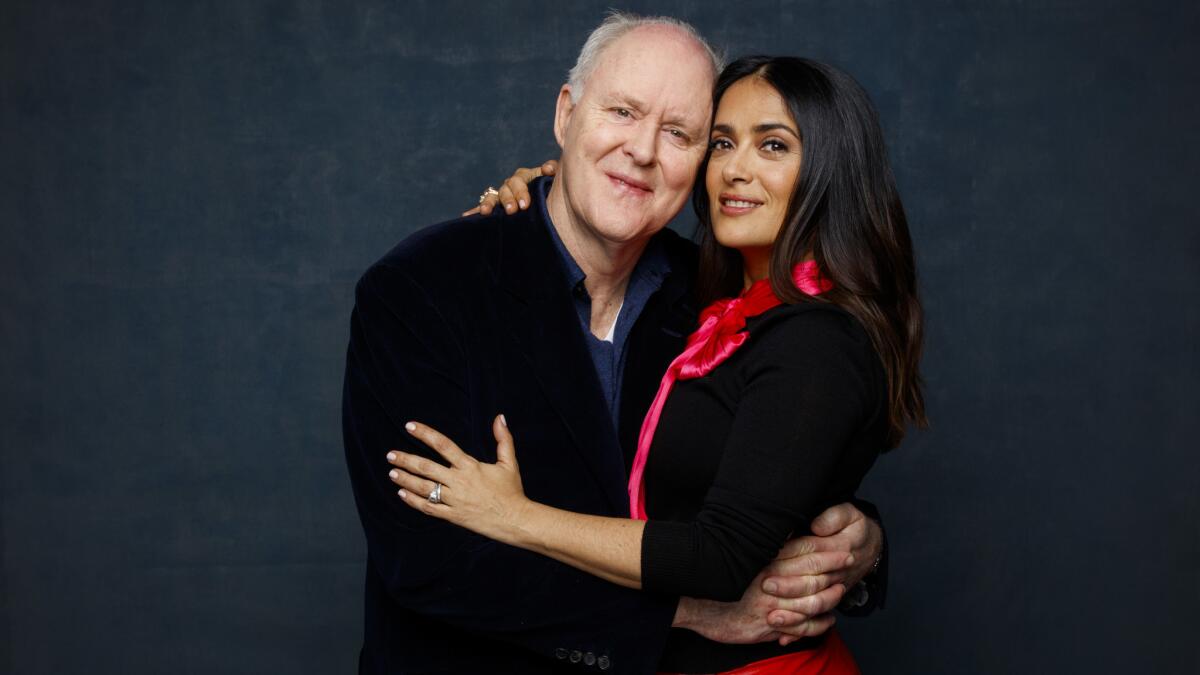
point(460, 322)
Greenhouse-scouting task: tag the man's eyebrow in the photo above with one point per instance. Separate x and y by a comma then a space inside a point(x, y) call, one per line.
point(692, 127)
point(626, 101)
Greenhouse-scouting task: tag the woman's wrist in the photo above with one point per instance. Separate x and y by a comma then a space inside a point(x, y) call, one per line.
point(524, 525)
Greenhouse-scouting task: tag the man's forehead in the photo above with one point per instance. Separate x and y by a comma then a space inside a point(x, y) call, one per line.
point(674, 76)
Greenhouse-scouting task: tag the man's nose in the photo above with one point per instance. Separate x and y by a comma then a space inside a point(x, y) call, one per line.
point(641, 145)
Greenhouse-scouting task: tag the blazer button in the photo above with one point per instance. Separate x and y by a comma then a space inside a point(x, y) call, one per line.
point(603, 663)
point(560, 653)
point(576, 656)
point(589, 659)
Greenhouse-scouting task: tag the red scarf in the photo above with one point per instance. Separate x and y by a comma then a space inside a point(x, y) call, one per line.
point(720, 334)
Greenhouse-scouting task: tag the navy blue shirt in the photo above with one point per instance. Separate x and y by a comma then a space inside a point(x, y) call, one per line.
point(644, 281)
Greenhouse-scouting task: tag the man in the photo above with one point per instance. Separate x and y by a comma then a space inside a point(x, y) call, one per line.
point(563, 317)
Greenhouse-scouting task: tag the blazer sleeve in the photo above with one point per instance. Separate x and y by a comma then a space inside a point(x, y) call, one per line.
point(406, 362)
point(808, 392)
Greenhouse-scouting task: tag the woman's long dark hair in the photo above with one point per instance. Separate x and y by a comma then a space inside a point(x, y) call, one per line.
point(845, 211)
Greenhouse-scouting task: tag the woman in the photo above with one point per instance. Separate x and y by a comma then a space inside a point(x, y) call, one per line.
point(785, 394)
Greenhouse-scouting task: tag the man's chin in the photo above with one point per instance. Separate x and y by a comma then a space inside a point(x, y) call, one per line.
point(628, 232)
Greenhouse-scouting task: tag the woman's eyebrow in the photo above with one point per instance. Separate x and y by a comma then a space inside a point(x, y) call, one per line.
point(774, 126)
point(758, 128)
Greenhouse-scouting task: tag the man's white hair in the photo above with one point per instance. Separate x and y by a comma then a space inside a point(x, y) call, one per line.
point(614, 26)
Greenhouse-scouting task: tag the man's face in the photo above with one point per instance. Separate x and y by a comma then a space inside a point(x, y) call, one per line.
point(632, 143)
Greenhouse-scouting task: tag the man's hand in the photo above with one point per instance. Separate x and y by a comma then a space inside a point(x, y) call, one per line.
point(811, 573)
point(794, 596)
point(745, 621)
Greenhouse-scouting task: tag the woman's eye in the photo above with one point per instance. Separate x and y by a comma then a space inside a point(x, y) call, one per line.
point(719, 144)
point(774, 146)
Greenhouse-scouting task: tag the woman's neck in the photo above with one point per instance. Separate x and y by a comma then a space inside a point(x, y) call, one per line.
point(756, 265)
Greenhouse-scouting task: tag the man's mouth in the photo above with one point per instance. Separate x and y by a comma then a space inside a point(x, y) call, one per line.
point(629, 182)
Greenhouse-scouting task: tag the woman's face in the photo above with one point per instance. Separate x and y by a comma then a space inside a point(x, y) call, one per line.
point(752, 171)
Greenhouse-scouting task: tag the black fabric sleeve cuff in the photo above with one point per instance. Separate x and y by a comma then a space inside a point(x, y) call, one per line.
point(668, 550)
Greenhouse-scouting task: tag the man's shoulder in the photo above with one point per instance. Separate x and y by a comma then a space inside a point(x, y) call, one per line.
point(463, 251)
point(452, 244)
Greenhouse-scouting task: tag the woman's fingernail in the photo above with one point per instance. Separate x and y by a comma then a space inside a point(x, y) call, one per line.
point(402, 494)
point(410, 426)
point(503, 422)
point(391, 456)
point(521, 203)
point(394, 473)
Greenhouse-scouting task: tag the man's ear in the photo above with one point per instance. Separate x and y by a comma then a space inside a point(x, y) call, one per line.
point(563, 109)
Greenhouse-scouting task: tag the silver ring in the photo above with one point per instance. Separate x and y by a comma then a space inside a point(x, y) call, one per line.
point(487, 193)
point(435, 497)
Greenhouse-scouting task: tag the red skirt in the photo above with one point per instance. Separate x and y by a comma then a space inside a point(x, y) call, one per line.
point(831, 658)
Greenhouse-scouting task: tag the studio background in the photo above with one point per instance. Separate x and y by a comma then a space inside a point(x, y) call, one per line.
point(189, 190)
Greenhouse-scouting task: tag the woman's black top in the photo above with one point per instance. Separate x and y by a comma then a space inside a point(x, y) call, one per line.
point(746, 456)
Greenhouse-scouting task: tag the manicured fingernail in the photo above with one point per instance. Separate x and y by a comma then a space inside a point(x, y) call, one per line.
point(410, 426)
point(503, 422)
point(394, 473)
point(770, 587)
point(403, 494)
point(521, 202)
point(391, 456)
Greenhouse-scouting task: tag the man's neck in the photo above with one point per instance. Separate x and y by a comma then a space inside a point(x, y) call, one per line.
point(607, 265)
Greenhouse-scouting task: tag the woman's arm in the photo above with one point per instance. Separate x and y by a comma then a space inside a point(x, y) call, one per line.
point(794, 420)
point(803, 431)
point(488, 499)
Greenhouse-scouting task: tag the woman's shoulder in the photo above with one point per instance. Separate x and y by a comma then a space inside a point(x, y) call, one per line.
point(811, 321)
point(812, 336)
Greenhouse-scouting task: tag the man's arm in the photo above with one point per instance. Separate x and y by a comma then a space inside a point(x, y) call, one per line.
point(404, 362)
point(796, 594)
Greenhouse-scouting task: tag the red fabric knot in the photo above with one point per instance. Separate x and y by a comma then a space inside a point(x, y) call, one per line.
point(720, 334)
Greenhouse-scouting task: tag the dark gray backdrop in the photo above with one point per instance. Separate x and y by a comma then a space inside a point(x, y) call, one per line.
point(190, 189)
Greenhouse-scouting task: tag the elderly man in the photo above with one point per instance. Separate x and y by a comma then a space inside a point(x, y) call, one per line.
point(564, 317)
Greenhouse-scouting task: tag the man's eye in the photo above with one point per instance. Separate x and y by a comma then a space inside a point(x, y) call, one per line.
point(623, 112)
point(677, 134)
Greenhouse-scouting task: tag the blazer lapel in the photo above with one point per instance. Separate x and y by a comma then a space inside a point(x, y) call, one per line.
point(656, 339)
point(545, 326)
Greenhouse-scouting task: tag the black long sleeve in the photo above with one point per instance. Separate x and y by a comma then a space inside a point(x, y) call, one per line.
point(746, 456)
